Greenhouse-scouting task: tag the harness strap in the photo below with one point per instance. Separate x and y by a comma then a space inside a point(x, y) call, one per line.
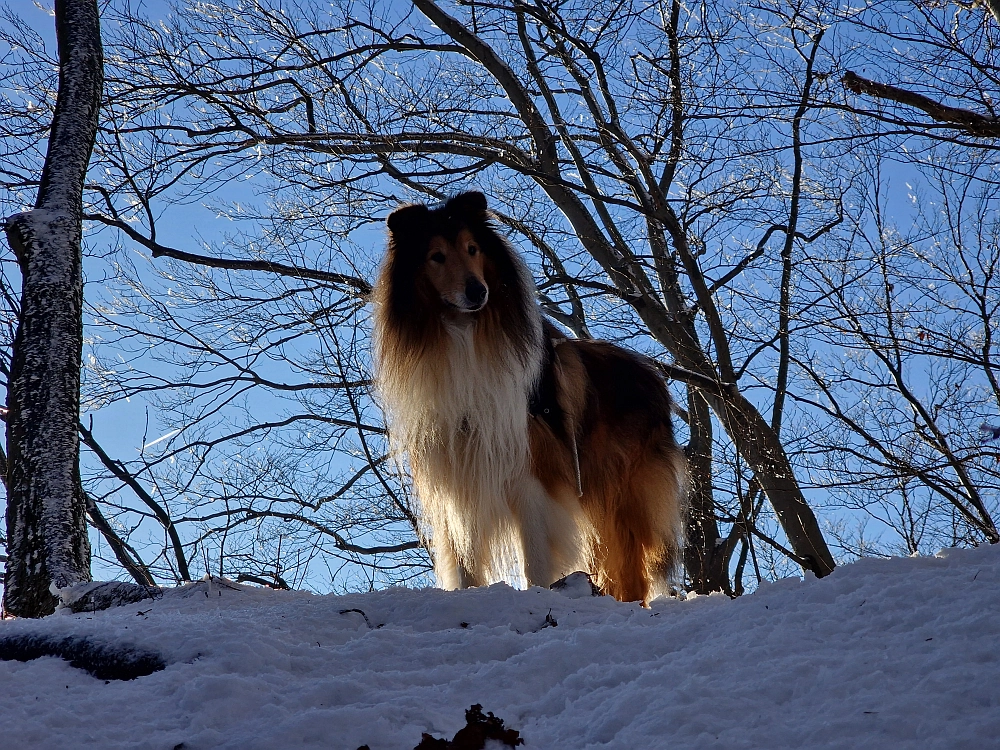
point(576, 459)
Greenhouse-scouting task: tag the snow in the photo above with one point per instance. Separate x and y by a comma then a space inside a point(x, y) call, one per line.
point(899, 653)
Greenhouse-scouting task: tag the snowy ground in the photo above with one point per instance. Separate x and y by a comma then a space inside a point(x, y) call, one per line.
point(882, 654)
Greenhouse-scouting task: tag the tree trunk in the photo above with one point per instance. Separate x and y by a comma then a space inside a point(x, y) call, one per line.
point(753, 437)
point(46, 510)
point(704, 558)
point(762, 449)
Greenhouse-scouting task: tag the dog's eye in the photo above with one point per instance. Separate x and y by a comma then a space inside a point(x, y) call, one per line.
point(438, 257)
point(473, 249)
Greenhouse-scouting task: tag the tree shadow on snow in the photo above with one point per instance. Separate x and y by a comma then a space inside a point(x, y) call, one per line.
point(103, 661)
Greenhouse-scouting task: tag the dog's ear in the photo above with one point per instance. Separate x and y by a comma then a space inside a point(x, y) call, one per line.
point(407, 218)
point(470, 205)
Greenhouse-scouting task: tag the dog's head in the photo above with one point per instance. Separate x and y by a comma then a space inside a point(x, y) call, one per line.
point(447, 266)
point(448, 246)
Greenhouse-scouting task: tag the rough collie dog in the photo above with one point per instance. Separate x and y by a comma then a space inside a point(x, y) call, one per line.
point(526, 448)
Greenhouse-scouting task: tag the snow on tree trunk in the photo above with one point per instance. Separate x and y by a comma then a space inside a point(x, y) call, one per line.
point(46, 510)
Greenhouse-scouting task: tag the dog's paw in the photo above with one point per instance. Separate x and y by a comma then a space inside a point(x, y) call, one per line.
point(576, 586)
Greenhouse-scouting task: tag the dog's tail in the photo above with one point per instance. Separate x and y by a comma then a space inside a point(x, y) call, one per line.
point(640, 535)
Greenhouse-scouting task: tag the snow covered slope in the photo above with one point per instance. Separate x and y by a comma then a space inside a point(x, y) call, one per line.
point(882, 654)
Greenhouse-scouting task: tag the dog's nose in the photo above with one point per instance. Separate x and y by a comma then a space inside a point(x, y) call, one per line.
point(475, 292)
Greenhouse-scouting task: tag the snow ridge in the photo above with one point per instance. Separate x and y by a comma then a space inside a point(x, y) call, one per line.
point(897, 653)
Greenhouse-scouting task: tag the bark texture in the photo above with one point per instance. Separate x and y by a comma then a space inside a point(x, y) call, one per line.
point(46, 509)
point(705, 557)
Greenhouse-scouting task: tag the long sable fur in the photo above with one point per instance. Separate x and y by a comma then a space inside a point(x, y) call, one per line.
point(496, 410)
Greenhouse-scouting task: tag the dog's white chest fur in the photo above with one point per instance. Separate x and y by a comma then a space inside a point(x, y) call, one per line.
point(464, 424)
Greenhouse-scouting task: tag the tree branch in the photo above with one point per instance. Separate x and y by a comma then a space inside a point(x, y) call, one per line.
point(973, 123)
point(361, 287)
point(124, 553)
point(118, 469)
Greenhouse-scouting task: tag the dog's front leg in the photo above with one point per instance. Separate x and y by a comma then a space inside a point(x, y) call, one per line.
point(450, 571)
point(467, 580)
point(553, 534)
point(532, 510)
point(537, 560)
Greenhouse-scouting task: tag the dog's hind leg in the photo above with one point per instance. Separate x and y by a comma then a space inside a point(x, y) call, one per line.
point(627, 568)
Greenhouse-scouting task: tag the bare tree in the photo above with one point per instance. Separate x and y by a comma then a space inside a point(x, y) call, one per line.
point(917, 323)
point(912, 315)
point(46, 510)
point(672, 172)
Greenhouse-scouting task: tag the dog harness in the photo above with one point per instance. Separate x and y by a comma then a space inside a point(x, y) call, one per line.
point(544, 405)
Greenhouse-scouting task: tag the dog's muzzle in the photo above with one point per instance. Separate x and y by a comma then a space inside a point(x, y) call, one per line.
point(476, 294)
